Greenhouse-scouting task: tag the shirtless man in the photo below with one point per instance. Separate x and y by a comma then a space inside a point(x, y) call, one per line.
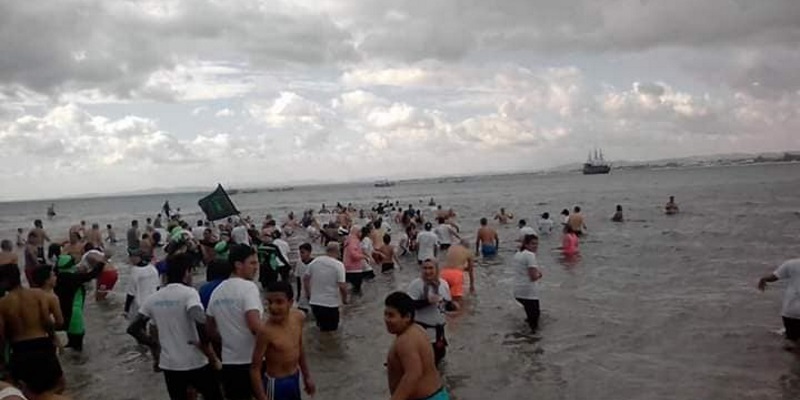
point(44, 279)
point(410, 367)
point(7, 255)
point(459, 260)
point(488, 242)
point(671, 208)
point(95, 237)
point(503, 217)
point(279, 349)
point(75, 247)
point(575, 221)
point(26, 324)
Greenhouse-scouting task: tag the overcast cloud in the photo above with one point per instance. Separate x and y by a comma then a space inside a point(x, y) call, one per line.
point(250, 92)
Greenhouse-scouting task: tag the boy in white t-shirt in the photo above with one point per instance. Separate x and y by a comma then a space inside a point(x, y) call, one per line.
point(790, 272)
point(181, 344)
point(234, 318)
point(299, 273)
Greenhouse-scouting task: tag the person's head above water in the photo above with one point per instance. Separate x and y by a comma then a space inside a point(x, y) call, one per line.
point(332, 249)
point(577, 209)
point(429, 270)
point(6, 245)
point(484, 221)
point(10, 277)
point(428, 226)
point(522, 223)
point(565, 212)
point(244, 261)
point(399, 312)
point(546, 215)
point(619, 207)
point(280, 297)
point(37, 223)
point(530, 243)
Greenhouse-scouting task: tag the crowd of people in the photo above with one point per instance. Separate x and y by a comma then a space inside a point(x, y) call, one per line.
point(215, 340)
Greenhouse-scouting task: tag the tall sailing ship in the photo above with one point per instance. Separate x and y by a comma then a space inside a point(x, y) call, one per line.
point(596, 164)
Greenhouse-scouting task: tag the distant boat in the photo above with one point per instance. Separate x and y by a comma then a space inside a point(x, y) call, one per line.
point(596, 164)
point(281, 189)
point(384, 183)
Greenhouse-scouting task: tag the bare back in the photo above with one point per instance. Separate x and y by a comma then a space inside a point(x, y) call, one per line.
point(458, 256)
point(25, 314)
point(9, 257)
point(487, 235)
point(412, 350)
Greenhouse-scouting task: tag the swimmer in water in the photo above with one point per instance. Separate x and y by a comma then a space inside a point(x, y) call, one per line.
point(788, 271)
point(29, 321)
point(527, 276)
point(488, 242)
point(503, 217)
point(671, 208)
point(279, 359)
point(576, 222)
point(388, 253)
point(7, 255)
point(545, 224)
point(569, 243)
point(459, 259)
point(618, 215)
point(45, 280)
point(183, 349)
point(20, 238)
point(111, 236)
point(410, 364)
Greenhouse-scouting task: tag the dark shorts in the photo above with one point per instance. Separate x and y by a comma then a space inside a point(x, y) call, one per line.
point(532, 312)
point(444, 246)
point(204, 380)
point(355, 279)
point(236, 382)
point(792, 326)
point(285, 388)
point(387, 267)
point(327, 317)
point(35, 361)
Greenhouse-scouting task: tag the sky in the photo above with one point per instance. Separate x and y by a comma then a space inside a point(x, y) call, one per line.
point(104, 96)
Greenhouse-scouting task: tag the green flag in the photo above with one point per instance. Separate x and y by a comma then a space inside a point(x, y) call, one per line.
point(217, 205)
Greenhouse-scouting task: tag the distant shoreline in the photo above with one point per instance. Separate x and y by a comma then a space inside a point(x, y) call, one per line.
point(649, 166)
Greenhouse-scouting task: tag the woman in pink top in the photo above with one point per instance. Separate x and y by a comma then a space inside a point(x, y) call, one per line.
point(354, 259)
point(569, 244)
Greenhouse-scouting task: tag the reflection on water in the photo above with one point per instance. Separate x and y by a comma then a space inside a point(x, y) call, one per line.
point(655, 308)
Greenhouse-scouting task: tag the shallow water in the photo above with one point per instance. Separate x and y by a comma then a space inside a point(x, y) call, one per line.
point(656, 308)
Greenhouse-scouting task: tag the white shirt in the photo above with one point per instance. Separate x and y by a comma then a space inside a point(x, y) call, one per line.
point(299, 273)
point(326, 274)
point(790, 271)
point(143, 283)
point(198, 231)
point(230, 301)
point(432, 314)
point(445, 233)
point(525, 231)
point(239, 235)
point(386, 227)
point(426, 243)
point(523, 287)
point(169, 310)
point(283, 246)
point(545, 226)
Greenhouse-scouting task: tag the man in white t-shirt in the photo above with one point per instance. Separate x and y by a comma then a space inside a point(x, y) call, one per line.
point(143, 282)
point(326, 289)
point(790, 272)
point(427, 244)
point(197, 231)
point(446, 233)
point(525, 230)
point(234, 318)
point(526, 279)
point(178, 314)
point(432, 298)
point(239, 234)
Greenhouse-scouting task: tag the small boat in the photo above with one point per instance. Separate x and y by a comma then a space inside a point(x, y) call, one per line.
point(384, 183)
point(596, 164)
point(281, 189)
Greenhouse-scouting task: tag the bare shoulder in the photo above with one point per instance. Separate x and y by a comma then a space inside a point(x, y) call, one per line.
point(297, 316)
